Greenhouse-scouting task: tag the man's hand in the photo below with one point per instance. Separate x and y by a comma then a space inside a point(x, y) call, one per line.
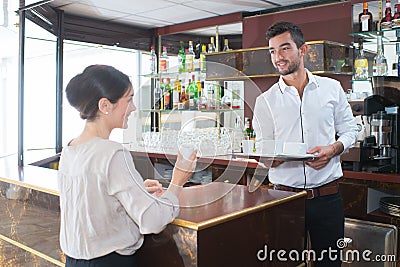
point(325, 153)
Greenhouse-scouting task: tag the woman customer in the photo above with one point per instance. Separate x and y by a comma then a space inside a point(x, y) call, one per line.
point(106, 208)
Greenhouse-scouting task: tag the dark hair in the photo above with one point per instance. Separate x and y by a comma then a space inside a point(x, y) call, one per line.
point(282, 27)
point(97, 81)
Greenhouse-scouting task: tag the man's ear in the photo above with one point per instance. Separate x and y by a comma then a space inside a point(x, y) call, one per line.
point(303, 49)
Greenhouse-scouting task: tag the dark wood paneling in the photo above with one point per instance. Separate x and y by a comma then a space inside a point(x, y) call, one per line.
point(280, 227)
point(234, 241)
point(330, 22)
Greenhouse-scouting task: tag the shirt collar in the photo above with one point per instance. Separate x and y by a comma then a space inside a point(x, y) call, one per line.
point(311, 80)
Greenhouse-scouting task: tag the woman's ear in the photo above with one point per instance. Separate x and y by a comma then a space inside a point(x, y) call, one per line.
point(104, 106)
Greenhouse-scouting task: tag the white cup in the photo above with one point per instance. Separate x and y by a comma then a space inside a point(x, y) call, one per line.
point(294, 148)
point(247, 146)
point(187, 150)
point(270, 147)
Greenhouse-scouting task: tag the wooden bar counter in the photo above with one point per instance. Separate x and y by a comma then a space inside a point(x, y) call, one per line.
point(229, 230)
point(220, 224)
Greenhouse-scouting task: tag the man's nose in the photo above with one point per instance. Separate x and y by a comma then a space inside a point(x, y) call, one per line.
point(279, 54)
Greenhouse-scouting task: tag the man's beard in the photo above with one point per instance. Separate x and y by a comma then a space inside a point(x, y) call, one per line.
point(294, 66)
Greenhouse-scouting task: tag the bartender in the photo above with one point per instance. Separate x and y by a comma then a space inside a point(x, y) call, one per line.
point(302, 107)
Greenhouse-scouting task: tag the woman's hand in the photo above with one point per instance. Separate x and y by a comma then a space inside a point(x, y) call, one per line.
point(154, 187)
point(183, 169)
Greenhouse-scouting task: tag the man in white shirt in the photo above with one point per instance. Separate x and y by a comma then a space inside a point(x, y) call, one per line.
point(302, 107)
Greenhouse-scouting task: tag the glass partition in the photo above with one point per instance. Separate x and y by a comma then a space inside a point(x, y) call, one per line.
point(8, 78)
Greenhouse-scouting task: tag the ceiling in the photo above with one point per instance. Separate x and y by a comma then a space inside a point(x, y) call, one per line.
point(160, 13)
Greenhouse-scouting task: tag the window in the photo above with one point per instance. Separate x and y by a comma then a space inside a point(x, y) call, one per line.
point(8, 78)
point(40, 82)
point(77, 56)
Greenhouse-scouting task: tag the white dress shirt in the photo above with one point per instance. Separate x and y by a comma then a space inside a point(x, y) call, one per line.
point(323, 111)
point(104, 204)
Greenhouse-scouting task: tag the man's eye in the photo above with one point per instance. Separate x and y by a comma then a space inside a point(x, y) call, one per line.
point(271, 52)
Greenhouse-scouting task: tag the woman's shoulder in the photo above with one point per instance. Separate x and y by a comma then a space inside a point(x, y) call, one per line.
point(108, 145)
point(95, 145)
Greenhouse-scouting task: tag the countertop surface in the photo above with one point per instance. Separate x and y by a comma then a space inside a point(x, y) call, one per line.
point(214, 203)
point(33, 177)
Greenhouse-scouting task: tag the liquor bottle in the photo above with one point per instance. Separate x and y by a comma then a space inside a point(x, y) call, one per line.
point(248, 130)
point(191, 90)
point(211, 46)
point(380, 63)
point(238, 135)
point(153, 60)
point(236, 97)
point(226, 45)
point(209, 49)
point(211, 103)
point(168, 95)
point(386, 20)
point(162, 88)
point(203, 58)
point(396, 14)
point(158, 97)
point(198, 85)
point(197, 49)
point(183, 98)
point(365, 19)
point(190, 58)
point(164, 60)
point(203, 101)
point(181, 58)
point(176, 94)
point(196, 91)
point(398, 65)
point(360, 63)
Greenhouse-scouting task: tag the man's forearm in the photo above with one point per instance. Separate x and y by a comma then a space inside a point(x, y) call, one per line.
point(337, 148)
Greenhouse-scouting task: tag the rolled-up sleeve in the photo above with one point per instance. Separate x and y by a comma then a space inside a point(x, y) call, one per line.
point(345, 124)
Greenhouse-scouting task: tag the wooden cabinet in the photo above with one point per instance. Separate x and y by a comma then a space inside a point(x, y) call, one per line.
point(361, 193)
point(323, 57)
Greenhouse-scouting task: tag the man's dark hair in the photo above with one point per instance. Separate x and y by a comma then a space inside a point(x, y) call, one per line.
point(282, 27)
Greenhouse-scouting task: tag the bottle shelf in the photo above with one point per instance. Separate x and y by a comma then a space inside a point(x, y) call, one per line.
point(363, 80)
point(246, 77)
point(388, 35)
point(172, 74)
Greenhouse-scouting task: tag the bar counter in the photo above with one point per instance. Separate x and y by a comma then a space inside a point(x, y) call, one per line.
point(219, 224)
point(229, 228)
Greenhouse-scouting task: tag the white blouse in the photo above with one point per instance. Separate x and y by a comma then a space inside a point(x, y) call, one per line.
point(104, 204)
